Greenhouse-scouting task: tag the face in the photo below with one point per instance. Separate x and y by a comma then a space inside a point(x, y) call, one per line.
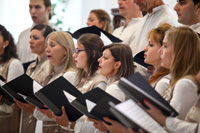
point(186, 12)
point(166, 53)
point(39, 13)
point(55, 52)
point(3, 45)
point(145, 5)
point(37, 42)
point(107, 64)
point(126, 7)
point(151, 54)
point(93, 20)
point(80, 57)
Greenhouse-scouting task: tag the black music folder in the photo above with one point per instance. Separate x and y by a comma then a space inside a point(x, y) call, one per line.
point(139, 58)
point(131, 115)
point(21, 88)
point(94, 104)
point(52, 95)
point(137, 88)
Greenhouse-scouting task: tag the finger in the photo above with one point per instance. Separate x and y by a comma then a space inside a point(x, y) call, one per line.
point(109, 120)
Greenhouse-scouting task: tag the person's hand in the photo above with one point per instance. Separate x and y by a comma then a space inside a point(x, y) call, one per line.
point(46, 112)
point(98, 124)
point(62, 120)
point(1, 96)
point(155, 113)
point(26, 107)
point(115, 126)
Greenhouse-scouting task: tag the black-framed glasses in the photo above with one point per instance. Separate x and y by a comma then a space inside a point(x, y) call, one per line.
point(77, 51)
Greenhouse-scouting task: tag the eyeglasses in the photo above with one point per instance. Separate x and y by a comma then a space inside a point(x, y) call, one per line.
point(77, 51)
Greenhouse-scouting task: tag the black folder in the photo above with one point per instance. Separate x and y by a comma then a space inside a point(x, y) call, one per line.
point(53, 97)
point(137, 88)
point(139, 58)
point(101, 99)
point(94, 30)
point(22, 85)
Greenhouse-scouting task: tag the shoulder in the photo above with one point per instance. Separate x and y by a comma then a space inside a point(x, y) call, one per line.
point(15, 62)
point(186, 84)
point(69, 73)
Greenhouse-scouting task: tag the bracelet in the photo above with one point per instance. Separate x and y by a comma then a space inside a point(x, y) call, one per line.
point(69, 125)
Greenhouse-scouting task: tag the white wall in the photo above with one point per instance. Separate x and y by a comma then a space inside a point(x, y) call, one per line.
point(15, 16)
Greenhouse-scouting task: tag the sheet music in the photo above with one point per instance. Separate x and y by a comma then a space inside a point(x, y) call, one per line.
point(69, 96)
point(105, 39)
point(36, 86)
point(90, 105)
point(22, 95)
point(133, 111)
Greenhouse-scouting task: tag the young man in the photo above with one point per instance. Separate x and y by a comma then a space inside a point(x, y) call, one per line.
point(40, 11)
point(130, 11)
point(188, 12)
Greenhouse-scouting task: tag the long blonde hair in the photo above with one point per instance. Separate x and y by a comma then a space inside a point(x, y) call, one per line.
point(185, 45)
point(65, 40)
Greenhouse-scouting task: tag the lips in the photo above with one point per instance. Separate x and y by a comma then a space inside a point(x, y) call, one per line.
point(145, 55)
point(34, 18)
point(49, 56)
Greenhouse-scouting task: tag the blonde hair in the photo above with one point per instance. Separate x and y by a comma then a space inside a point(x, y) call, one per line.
point(158, 35)
point(104, 18)
point(185, 45)
point(65, 40)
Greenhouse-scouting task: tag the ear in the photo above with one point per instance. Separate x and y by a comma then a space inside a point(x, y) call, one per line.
point(49, 9)
point(6, 43)
point(117, 64)
point(197, 6)
point(101, 25)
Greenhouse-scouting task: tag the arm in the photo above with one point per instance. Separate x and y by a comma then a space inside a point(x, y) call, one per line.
point(184, 96)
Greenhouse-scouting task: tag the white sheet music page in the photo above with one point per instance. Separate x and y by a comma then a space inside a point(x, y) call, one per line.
point(105, 39)
point(22, 95)
point(2, 83)
point(36, 86)
point(69, 96)
point(134, 112)
point(90, 105)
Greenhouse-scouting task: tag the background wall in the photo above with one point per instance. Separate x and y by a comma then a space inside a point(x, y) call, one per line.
point(14, 14)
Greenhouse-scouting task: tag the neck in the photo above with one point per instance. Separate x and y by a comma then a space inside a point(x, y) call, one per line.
point(40, 56)
point(136, 14)
point(155, 4)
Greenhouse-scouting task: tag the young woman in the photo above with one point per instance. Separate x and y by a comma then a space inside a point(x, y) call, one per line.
point(160, 78)
point(10, 68)
point(180, 54)
point(115, 62)
point(88, 51)
point(37, 70)
point(101, 19)
point(59, 51)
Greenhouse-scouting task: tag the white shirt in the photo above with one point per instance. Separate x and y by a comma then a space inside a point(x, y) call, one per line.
point(160, 14)
point(175, 125)
point(128, 34)
point(163, 84)
point(23, 46)
point(184, 96)
point(196, 27)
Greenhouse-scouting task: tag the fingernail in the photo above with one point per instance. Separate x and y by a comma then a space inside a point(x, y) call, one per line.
point(145, 100)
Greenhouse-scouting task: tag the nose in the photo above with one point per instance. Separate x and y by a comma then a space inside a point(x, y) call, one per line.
point(32, 10)
point(88, 23)
point(47, 49)
point(31, 41)
point(74, 55)
point(145, 48)
point(161, 50)
point(176, 7)
point(99, 60)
